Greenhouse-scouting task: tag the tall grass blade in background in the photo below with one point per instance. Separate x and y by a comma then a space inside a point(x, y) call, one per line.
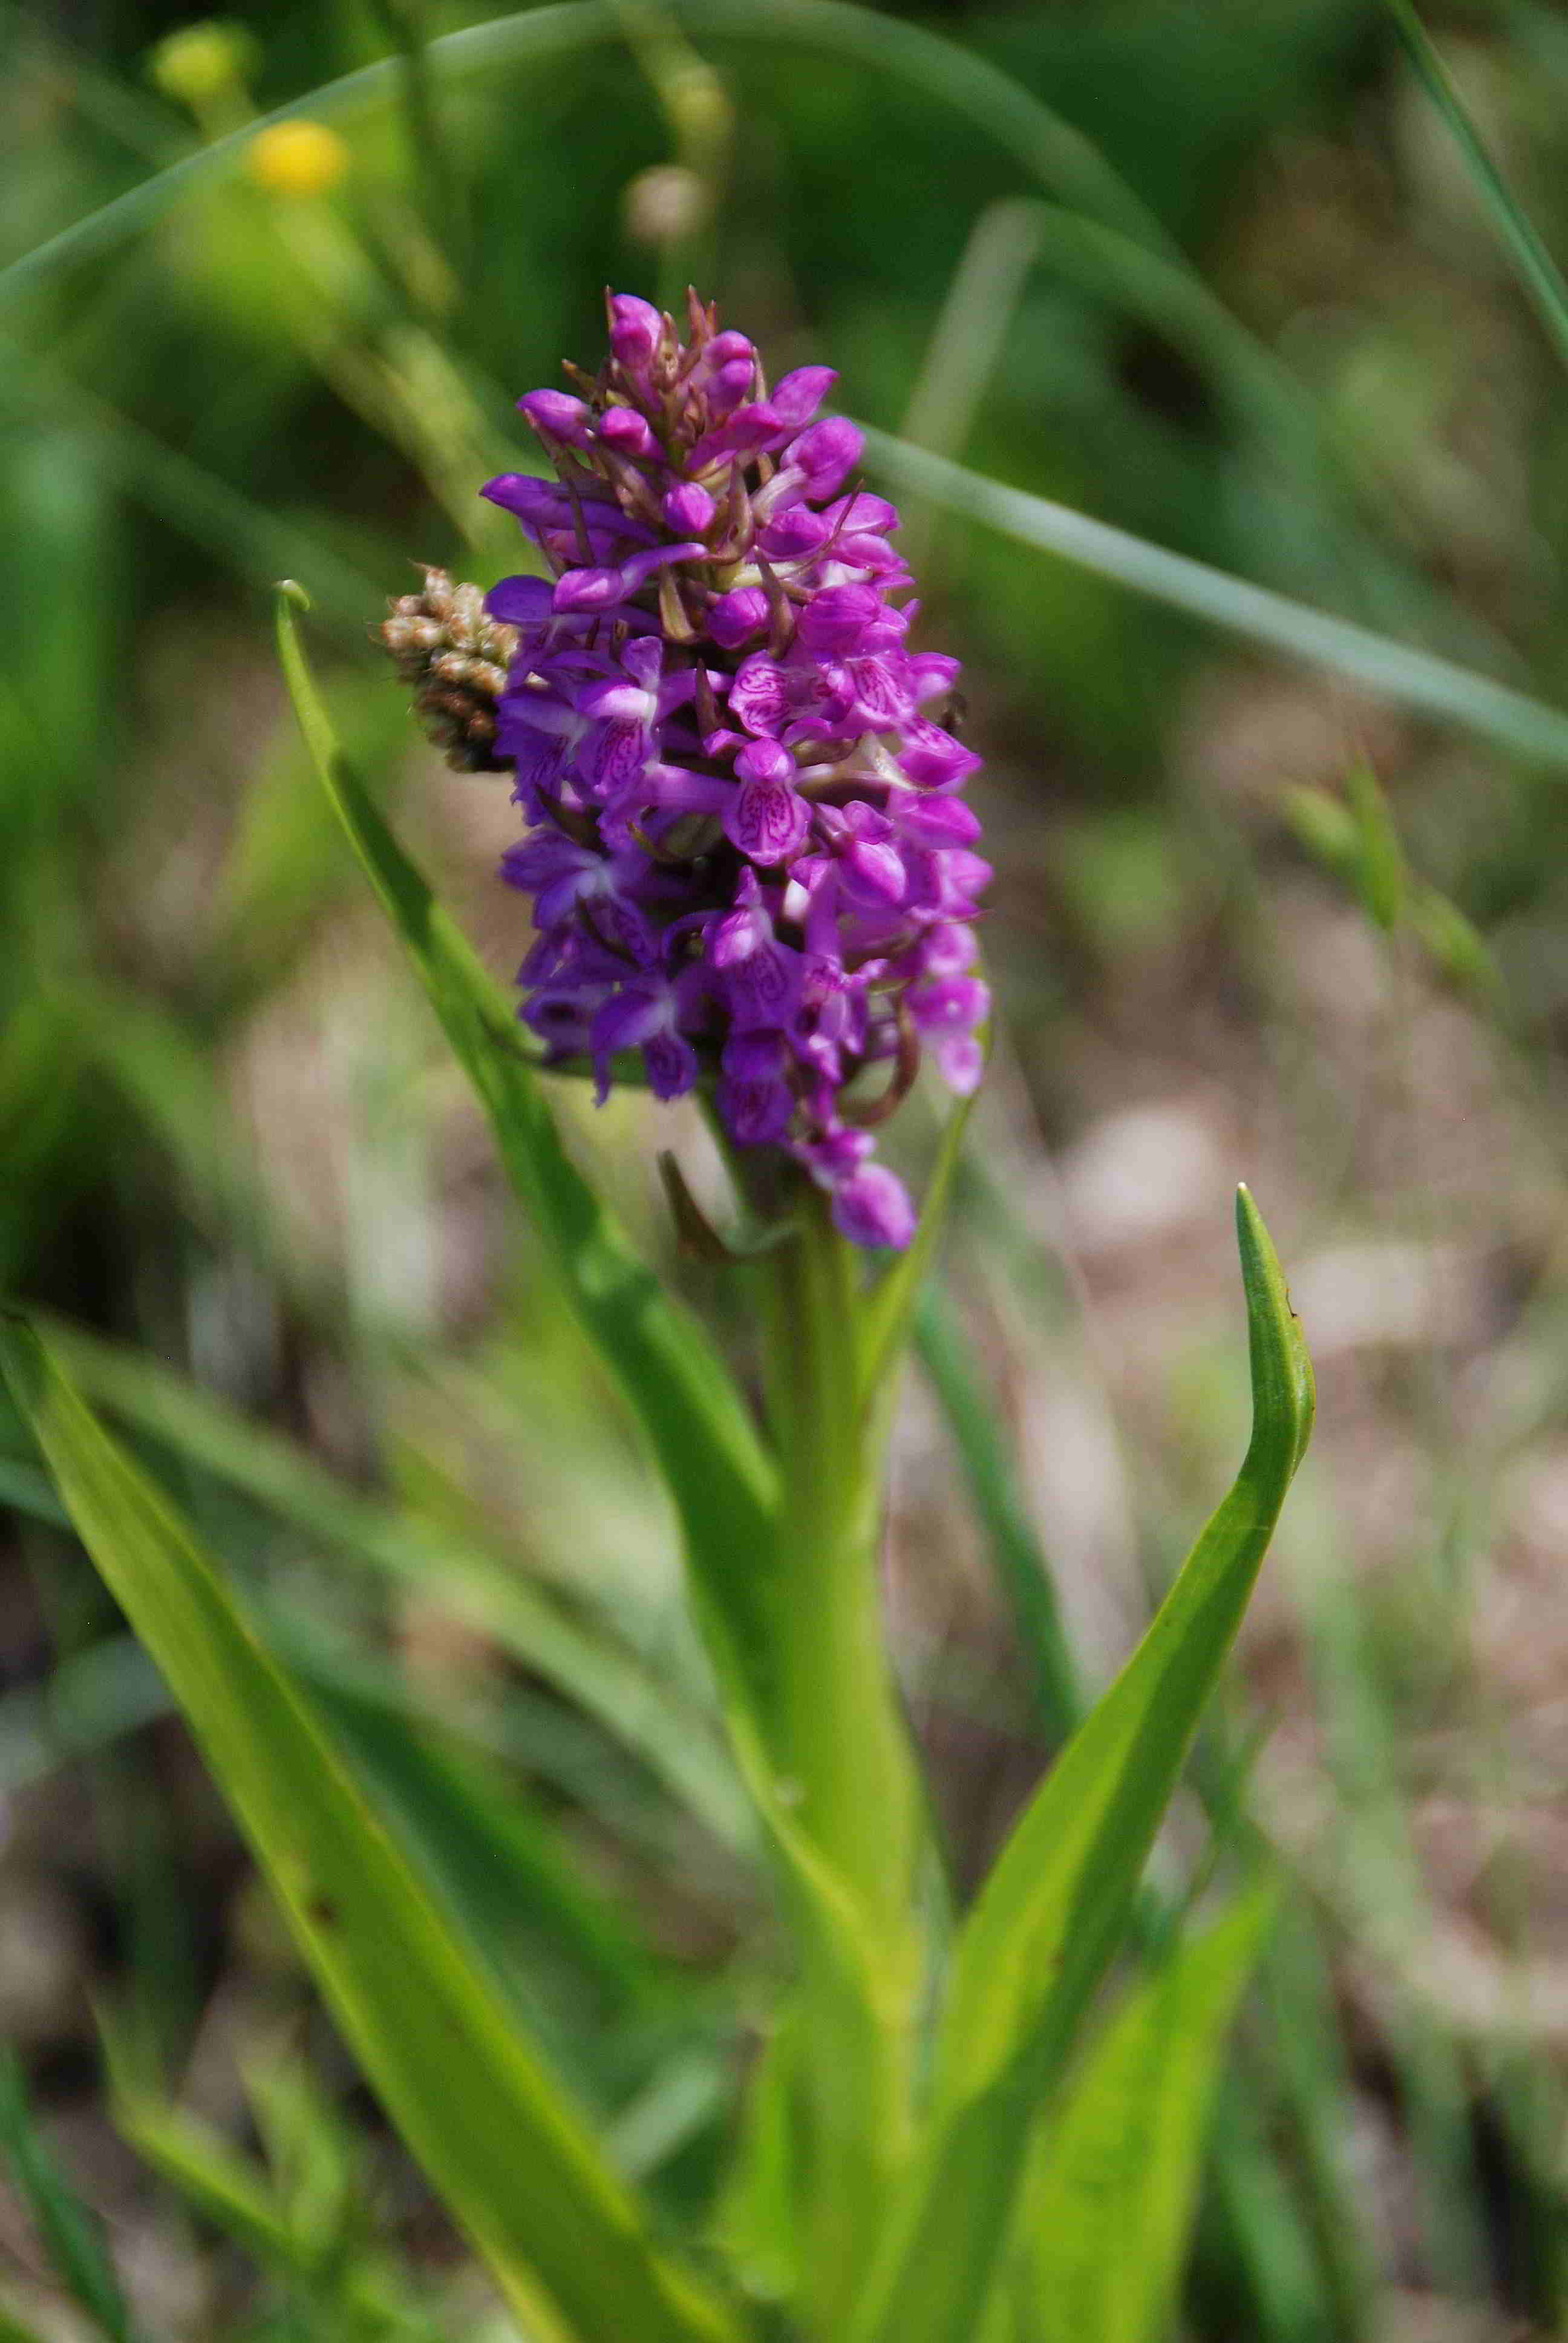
point(70, 2235)
point(1437, 687)
point(1533, 262)
point(511, 2157)
point(1107, 2206)
point(1054, 1907)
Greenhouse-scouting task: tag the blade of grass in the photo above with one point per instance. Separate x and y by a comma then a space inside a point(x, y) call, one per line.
point(969, 1409)
point(1437, 687)
point(507, 2151)
point(256, 542)
point(1049, 148)
point(1532, 264)
point(889, 1309)
point(1055, 1906)
point(236, 2197)
point(69, 2232)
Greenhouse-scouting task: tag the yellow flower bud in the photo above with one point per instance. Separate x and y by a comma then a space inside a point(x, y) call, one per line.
point(297, 158)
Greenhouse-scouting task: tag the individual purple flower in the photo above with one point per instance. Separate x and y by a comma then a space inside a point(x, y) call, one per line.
point(747, 853)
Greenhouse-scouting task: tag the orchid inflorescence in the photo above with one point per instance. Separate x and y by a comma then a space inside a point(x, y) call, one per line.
point(746, 849)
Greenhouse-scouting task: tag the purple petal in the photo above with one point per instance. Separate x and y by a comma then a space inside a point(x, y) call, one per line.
point(636, 331)
point(872, 1207)
point(557, 416)
point(671, 1065)
point(688, 511)
point(766, 820)
point(627, 432)
point(738, 615)
point(798, 395)
point(835, 619)
point(520, 601)
point(827, 453)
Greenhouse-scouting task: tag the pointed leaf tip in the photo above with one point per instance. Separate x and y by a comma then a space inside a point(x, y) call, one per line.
point(1284, 1394)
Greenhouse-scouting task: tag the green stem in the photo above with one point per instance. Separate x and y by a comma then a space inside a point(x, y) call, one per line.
point(853, 1770)
point(850, 1767)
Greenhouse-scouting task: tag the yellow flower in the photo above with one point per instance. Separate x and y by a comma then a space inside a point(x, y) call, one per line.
point(297, 158)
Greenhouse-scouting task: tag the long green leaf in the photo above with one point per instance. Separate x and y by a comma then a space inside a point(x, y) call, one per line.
point(1054, 1908)
point(442, 1562)
point(511, 2157)
point(1526, 726)
point(695, 1420)
point(1108, 2202)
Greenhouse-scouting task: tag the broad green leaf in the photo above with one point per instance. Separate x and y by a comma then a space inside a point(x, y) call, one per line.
point(69, 2233)
point(443, 1562)
point(510, 2156)
point(756, 2224)
point(1107, 2203)
point(694, 1415)
point(1052, 1913)
point(563, 1956)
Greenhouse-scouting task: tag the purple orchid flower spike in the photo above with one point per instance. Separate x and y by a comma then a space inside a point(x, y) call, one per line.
point(746, 852)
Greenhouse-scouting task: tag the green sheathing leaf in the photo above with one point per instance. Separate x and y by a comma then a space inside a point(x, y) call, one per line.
point(1107, 2203)
point(1052, 1912)
point(695, 1417)
point(510, 2157)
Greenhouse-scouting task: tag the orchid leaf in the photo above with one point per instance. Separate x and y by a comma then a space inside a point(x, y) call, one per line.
point(695, 1419)
point(1120, 2158)
point(1054, 1909)
point(479, 1583)
point(509, 2154)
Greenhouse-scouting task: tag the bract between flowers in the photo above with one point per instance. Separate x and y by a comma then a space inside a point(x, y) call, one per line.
point(747, 851)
